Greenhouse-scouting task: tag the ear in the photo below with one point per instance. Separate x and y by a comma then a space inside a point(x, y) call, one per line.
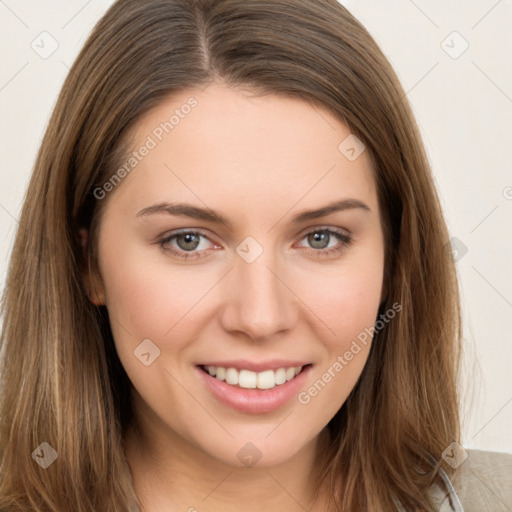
point(90, 277)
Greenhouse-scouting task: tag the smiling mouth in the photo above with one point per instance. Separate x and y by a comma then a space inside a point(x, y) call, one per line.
point(248, 379)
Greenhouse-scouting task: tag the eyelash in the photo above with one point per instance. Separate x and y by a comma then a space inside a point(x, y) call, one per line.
point(344, 239)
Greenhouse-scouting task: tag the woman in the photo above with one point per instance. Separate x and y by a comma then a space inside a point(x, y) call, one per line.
point(231, 287)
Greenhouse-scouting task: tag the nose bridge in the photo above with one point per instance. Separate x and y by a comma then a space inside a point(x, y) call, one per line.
point(260, 304)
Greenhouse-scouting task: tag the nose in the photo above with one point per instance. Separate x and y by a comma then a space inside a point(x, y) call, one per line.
point(260, 303)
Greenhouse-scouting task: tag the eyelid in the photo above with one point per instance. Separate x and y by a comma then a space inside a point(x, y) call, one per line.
point(184, 231)
point(301, 234)
point(320, 227)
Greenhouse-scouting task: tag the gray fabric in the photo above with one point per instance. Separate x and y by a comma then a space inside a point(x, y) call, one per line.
point(483, 482)
point(447, 498)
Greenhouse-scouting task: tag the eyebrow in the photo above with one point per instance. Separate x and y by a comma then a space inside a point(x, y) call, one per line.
point(209, 215)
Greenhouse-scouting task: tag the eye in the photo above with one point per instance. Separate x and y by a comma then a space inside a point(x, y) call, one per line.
point(320, 238)
point(187, 244)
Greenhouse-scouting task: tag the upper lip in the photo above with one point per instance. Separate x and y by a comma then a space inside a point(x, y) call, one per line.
point(243, 364)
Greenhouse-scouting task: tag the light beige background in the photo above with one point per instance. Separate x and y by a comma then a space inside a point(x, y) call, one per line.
point(463, 106)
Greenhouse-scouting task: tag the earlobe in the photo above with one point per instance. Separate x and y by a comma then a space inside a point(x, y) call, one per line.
point(92, 281)
point(95, 292)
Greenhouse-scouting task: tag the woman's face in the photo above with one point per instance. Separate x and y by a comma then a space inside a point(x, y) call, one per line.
point(267, 290)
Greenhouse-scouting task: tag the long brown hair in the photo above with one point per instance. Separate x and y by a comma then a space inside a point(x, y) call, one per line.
point(61, 380)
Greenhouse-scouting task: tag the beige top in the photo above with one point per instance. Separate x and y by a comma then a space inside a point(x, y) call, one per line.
point(482, 483)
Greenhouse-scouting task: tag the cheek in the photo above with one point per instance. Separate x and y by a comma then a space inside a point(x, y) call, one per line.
point(152, 299)
point(346, 299)
point(348, 306)
point(148, 297)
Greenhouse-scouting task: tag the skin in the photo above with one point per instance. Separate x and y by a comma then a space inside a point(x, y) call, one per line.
point(258, 161)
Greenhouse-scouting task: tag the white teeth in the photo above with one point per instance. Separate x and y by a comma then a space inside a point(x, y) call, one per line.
point(280, 376)
point(232, 376)
point(247, 379)
point(266, 379)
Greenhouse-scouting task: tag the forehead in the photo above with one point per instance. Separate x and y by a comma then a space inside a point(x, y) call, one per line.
point(224, 144)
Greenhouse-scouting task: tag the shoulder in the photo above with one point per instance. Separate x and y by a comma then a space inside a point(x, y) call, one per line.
point(484, 481)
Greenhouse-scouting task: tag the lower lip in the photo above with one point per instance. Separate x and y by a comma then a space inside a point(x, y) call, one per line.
point(255, 401)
